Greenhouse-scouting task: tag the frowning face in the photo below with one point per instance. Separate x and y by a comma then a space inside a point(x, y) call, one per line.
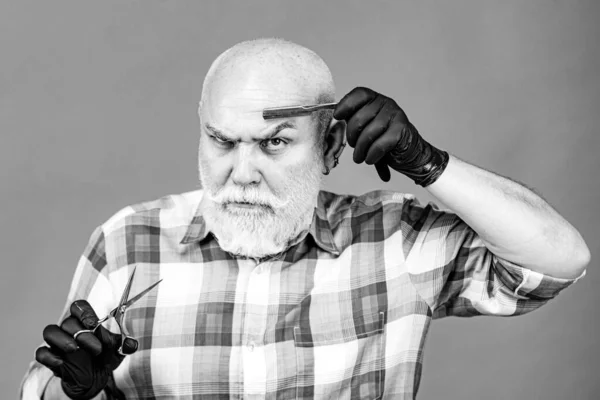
point(261, 178)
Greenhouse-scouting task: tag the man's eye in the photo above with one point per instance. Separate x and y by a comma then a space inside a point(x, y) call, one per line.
point(275, 142)
point(216, 139)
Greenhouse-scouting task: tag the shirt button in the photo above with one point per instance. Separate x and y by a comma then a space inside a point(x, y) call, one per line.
point(251, 346)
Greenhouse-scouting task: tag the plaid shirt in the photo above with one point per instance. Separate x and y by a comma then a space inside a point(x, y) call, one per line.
point(342, 314)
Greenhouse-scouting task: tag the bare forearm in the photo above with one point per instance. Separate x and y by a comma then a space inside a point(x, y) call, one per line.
point(514, 223)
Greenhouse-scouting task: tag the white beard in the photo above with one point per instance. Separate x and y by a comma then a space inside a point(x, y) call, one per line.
point(260, 232)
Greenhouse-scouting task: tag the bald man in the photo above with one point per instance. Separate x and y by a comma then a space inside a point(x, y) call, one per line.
point(275, 289)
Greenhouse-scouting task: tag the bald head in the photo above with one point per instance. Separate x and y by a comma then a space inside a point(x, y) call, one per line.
point(271, 72)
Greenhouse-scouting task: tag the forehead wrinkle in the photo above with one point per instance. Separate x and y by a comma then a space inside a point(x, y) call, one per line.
point(245, 104)
point(274, 130)
point(278, 86)
point(266, 95)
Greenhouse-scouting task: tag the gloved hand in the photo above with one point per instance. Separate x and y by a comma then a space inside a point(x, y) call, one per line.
point(85, 365)
point(380, 133)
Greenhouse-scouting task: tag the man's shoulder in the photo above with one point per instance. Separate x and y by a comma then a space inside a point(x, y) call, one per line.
point(371, 199)
point(168, 210)
point(375, 205)
point(380, 197)
point(369, 208)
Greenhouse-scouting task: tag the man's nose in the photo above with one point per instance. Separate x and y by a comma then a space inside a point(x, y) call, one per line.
point(244, 167)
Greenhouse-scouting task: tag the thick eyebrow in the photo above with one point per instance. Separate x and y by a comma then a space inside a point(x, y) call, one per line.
point(220, 135)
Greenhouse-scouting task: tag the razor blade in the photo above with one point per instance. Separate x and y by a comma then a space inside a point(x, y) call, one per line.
point(295, 111)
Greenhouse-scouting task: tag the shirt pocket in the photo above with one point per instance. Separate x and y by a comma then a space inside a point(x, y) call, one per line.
point(341, 361)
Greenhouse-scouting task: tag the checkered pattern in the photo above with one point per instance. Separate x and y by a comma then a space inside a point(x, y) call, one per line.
point(342, 314)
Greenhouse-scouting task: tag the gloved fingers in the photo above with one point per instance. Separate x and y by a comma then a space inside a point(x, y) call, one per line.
point(371, 134)
point(49, 359)
point(110, 341)
point(381, 145)
point(352, 102)
point(383, 170)
point(83, 311)
point(85, 340)
point(59, 339)
point(79, 374)
point(130, 346)
point(361, 118)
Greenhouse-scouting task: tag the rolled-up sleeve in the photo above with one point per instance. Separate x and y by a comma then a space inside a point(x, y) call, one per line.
point(455, 273)
point(90, 282)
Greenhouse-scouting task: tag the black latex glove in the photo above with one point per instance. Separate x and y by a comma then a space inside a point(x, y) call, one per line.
point(381, 134)
point(85, 365)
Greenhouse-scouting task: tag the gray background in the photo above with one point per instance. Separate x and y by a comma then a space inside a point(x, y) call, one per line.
point(98, 111)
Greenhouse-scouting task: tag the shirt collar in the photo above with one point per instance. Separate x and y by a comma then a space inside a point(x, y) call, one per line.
point(319, 228)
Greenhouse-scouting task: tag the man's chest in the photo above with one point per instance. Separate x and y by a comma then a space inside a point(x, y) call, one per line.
point(307, 330)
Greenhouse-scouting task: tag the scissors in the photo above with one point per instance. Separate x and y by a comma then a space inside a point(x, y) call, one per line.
point(118, 313)
point(295, 111)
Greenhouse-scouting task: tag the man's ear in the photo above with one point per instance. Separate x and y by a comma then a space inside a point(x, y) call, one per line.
point(335, 137)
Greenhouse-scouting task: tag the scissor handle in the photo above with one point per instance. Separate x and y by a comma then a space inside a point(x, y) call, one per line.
point(92, 331)
point(125, 336)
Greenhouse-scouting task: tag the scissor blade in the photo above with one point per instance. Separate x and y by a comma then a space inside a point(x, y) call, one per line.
point(125, 294)
point(139, 296)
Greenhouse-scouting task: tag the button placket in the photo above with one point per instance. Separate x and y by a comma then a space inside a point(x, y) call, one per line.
point(257, 298)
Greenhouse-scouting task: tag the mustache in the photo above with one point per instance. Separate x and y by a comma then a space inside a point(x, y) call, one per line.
point(233, 195)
